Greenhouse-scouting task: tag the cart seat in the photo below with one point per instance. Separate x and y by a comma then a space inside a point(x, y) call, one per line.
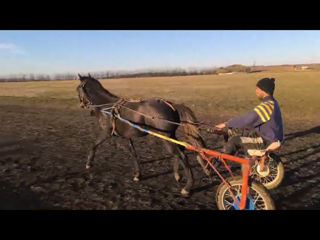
point(261, 152)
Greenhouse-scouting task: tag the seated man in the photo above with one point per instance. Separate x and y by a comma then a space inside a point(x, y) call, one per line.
point(259, 129)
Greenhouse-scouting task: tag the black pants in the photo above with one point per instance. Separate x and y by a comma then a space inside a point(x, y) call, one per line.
point(244, 139)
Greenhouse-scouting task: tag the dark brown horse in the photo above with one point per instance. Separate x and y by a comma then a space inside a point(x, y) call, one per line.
point(154, 114)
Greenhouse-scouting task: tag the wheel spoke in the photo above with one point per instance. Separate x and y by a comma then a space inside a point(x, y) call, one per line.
point(228, 204)
point(228, 200)
point(257, 199)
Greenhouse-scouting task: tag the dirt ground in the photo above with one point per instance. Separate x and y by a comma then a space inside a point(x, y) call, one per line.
point(42, 166)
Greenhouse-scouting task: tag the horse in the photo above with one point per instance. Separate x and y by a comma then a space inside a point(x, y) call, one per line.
point(155, 114)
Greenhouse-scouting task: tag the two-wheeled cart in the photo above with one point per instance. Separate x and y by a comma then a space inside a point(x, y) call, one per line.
point(235, 192)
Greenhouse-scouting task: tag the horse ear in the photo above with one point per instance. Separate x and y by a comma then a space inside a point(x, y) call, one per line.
point(79, 76)
point(89, 75)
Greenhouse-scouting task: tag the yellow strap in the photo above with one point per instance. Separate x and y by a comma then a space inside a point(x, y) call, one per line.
point(260, 115)
point(264, 111)
point(168, 139)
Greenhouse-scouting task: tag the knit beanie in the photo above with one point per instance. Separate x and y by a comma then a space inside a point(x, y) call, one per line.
point(267, 85)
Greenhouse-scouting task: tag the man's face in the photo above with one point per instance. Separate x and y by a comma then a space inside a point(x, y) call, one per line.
point(260, 93)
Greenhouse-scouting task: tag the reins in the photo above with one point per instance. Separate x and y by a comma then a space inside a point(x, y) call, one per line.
point(116, 106)
point(150, 117)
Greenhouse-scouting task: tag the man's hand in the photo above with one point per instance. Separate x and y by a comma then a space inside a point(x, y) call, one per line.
point(220, 126)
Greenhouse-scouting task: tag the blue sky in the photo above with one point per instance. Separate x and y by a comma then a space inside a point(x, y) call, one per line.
point(52, 52)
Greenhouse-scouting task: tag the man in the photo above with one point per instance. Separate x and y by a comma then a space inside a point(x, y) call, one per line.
point(259, 129)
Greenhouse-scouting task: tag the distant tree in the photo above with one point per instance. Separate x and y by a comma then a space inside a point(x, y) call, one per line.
point(221, 70)
point(31, 76)
point(23, 77)
point(238, 68)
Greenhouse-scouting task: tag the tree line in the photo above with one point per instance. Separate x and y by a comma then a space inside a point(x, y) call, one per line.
point(125, 74)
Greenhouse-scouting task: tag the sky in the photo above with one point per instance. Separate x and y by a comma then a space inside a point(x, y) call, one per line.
point(51, 52)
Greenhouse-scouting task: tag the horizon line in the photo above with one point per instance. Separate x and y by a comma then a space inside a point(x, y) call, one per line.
point(143, 70)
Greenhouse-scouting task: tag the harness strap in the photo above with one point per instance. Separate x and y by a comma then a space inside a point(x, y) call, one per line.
point(168, 103)
point(115, 110)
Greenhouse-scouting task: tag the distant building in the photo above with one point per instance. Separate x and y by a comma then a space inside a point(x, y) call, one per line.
point(297, 68)
point(228, 73)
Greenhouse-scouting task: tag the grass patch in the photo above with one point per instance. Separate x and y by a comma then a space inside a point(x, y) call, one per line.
point(214, 95)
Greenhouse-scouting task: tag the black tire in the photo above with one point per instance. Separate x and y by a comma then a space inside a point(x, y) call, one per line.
point(257, 192)
point(274, 174)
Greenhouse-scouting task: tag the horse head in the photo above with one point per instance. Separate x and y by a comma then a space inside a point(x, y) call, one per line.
point(82, 92)
point(91, 92)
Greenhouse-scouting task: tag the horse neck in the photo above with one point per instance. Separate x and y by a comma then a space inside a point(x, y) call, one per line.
point(103, 96)
point(106, 98)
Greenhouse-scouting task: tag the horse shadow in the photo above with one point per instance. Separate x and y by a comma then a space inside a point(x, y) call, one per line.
point(162, 173)
point(154, 175)
point(155, 160)
point(291, 136)
point(213, 182)
point(300, 194)
point(315, 150)
point(22, 199)
point(303, 150)
point(13, 145)
point(311, 149)
point(289, 180)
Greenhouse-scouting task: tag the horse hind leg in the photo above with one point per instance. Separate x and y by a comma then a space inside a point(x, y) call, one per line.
point(187, 170)
point(203, 165)
point(176, 164)
point(175, 159)
point(176, 169)
point(136, 167)
point(180, 157)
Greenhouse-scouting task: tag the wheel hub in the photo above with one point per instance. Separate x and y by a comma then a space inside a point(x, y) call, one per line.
point(263, 173)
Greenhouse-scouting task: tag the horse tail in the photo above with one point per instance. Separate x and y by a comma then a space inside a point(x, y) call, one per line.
point(190, 131)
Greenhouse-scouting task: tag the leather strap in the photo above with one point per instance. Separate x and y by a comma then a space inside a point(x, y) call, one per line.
point(115, 110)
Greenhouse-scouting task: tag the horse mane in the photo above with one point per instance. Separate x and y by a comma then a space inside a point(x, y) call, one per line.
point(96, 93)
point(101, 90)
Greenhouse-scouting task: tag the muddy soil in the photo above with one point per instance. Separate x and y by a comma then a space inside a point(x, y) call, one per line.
point(42, 166)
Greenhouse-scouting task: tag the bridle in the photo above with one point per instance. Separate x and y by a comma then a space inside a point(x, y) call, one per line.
point(84, 97)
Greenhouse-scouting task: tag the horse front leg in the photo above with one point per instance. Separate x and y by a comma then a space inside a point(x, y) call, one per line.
point(136, 167)
point(101, 138)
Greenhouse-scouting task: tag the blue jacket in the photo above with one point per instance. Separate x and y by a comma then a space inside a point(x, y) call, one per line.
point(265, 119)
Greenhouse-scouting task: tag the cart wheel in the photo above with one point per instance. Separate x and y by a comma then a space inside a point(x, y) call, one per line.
point(257, 199)
point(273, 172)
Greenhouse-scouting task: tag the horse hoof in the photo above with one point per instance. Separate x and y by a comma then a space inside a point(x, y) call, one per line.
point(184, 192)
point(177, 177)
point(207, 172)
point(136, 179)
